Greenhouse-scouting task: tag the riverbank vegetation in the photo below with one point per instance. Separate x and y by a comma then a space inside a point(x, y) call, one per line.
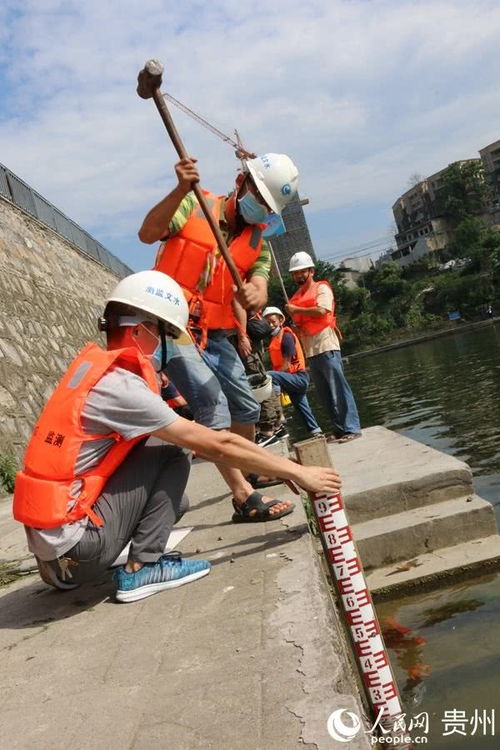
point(8, 468)
point(392, 303)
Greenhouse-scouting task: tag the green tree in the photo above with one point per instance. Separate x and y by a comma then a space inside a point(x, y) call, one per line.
point(464, 191)
point(385, 282)
point(465, 292)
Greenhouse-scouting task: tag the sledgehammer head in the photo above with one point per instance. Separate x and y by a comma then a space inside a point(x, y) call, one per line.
point(149, 79)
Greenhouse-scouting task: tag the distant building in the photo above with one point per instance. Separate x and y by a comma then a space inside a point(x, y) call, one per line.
point(490, 157)
point(296, 237)
point(422, 226)
point(352, 268)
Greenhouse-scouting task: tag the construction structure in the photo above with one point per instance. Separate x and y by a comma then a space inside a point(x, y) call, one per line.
point(296, 236)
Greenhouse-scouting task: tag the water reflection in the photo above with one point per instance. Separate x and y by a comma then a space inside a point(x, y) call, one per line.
point(434, 615)
point(461, 647)
point(407, 647)
point(444, 393)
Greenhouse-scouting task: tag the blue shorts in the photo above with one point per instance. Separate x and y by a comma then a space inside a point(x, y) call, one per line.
point(214, 384)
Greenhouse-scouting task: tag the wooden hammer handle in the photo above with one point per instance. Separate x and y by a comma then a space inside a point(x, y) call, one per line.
point(179, 147)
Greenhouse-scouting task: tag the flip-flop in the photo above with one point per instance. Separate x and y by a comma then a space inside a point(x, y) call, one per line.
point(348, 437)
point(242, 513)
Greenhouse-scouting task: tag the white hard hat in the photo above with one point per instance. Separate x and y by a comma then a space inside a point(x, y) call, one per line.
point(299, 261)
point(276, 178)
point(155, 293)
point(272, 311)
point(260, 390)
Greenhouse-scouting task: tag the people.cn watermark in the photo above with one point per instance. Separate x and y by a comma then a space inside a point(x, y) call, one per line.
point(344, 725)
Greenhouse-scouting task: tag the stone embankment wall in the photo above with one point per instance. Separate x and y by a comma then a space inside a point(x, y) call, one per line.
point(51, 295)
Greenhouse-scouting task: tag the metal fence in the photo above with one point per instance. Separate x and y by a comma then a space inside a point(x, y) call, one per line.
point(17, 191)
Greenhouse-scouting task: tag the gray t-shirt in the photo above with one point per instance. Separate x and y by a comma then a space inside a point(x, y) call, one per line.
point(121, 402)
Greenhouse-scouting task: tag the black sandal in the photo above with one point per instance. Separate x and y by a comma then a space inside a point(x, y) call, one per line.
point(257, 485)
point(243, 513)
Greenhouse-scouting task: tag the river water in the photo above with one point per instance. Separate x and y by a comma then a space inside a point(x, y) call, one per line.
point(444, 393)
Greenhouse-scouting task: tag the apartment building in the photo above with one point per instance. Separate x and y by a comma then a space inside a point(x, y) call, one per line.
point(419, 216)
point(490, 158)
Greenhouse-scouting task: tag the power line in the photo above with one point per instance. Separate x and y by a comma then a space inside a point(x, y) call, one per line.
point(369, 248)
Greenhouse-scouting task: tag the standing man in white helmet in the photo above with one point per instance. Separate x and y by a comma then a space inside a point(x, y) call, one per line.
point(212, 378)
point(105, 464)
point(312, 309)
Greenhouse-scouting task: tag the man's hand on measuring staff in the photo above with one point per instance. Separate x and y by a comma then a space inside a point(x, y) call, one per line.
point(319, 479)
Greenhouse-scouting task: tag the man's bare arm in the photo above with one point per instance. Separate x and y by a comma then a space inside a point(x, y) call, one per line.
point(155, 225)
point(314, 312)
point(233, 450)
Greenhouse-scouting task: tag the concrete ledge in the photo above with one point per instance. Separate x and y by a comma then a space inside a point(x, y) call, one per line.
point(385, 473)
point(415, 532)
point(435, 569)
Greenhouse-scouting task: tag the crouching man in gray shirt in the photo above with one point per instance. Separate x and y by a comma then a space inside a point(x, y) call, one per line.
point(108, 461)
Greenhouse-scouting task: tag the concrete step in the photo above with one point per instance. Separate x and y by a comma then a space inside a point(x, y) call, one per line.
point(402, 536)
point(435, 569)
point(385, 473)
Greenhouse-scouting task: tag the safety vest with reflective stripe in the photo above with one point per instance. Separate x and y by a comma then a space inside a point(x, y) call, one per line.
point(297, 361)
point(191, 258)
point(44, 495)
point(309, 324)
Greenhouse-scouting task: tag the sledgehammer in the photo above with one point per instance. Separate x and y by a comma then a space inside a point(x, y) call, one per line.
point(148, 87)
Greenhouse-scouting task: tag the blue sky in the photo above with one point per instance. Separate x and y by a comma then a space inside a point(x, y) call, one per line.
point(360, 94)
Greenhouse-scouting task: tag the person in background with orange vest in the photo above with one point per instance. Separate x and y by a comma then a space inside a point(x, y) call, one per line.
point(312, 309)
point(173, 398)
point(212, 379)
point(106, 463)
point(289, 367)
point(249, 342)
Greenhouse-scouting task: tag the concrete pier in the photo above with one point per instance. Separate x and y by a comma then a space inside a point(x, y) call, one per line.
point(414, 514)
point(253, 656)
point(250, 657)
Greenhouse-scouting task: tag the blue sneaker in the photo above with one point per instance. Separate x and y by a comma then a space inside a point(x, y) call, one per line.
point(169, 572)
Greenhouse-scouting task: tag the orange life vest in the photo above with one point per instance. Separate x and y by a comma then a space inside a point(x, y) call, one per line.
point(297, 362)
point(308, 298)
point(43, 490)
point(189, 255)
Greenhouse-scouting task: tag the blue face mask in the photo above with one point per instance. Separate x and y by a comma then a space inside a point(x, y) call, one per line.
point(251, 210)
point(275, 331)
point(275, 226)
point(155, 358)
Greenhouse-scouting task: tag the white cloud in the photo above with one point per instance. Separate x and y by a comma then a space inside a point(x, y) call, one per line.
point(361, 94)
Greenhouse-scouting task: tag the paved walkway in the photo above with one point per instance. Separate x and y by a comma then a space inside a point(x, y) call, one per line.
point(249, 657)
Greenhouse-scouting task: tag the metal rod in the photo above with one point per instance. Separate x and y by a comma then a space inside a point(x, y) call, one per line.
point(276, 268)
